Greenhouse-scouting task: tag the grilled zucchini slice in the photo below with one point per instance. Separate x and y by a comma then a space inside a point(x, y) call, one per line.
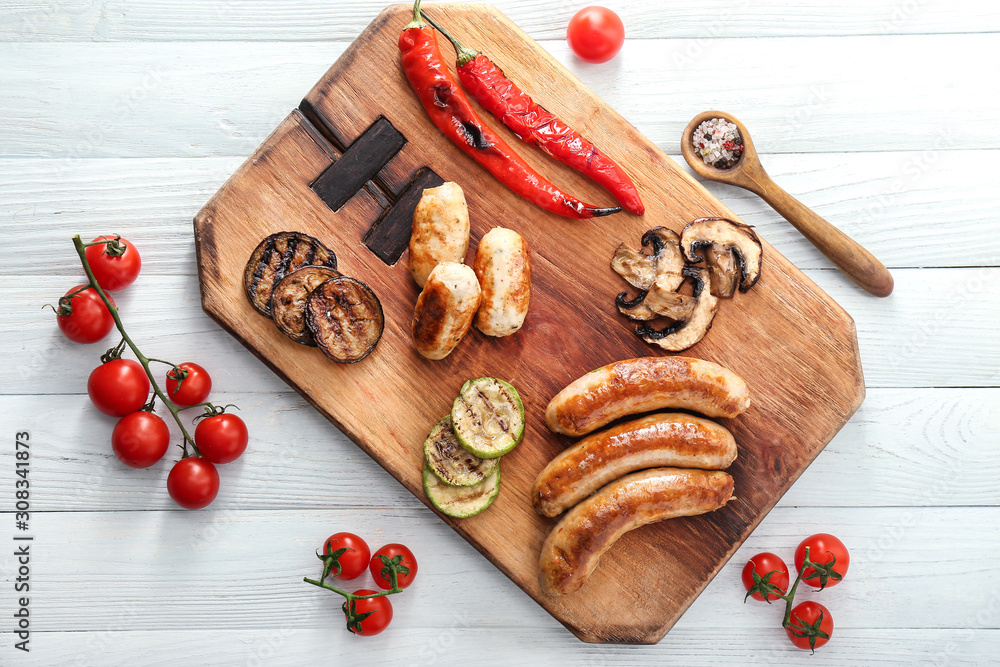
point(462, 501)
point(451, 462)
point(488, 417)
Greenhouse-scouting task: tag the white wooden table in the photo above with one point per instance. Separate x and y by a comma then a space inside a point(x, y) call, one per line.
point(126, 115)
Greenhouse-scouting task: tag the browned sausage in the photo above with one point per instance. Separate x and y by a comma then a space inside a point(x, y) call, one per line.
point(440, 230)
point(672, 439)
point(445, 309)
point(640, 385)
point(574, 547)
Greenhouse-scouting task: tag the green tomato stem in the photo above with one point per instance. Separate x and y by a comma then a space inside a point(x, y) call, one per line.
point(351, 596)
point(144, 361)
point(790, 596)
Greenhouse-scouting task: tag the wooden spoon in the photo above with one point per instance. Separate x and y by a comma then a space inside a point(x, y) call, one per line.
point(850, 257)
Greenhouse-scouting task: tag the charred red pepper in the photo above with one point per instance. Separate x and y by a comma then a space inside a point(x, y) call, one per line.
point(536, 125)
point(451, 112)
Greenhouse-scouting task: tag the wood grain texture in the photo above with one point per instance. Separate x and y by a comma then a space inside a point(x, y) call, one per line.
point(816, 372)
point(311, 20)
point(164, 99)
point(878, 197)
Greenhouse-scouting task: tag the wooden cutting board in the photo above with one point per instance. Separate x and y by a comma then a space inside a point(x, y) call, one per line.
point(795, 346)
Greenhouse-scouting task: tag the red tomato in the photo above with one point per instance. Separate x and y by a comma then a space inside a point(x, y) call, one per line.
point(193, 483)
point(381, 614)
point(400, 555)
point(193, 388)
point(140, 439)
point(770, 569)
point(810, 625)
point(119, 387)
point(354, 560)
point(90, 320)
point(222, 438)
point(113, 273)
point(596, 34)
point(827, 550)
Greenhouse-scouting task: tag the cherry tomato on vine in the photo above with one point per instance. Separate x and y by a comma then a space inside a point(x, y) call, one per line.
point(770, 569)
point(193, 483)
point(194, 388)
point(140, 439)
point(119, 387)
point(221, 438)
point(827, 550)
point(90, 320)
point(406, 559)
point(595, 34)
point(810, 625)
point(381, 614)
point(113, 273)
point(354, 560)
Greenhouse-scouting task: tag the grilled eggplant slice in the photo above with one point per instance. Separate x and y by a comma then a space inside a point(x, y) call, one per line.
point(462, 501)
point(345, 319)
point(277, 256)
point(288, 300)
point(488, 417)
point(452, 463)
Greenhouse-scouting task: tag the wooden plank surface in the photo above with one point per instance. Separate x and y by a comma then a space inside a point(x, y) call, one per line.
point(814, 373)
point(922, 411)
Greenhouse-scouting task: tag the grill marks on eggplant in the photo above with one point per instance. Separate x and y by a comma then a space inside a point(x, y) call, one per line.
point(288, 301)
point(345, 318)
point(277, 256)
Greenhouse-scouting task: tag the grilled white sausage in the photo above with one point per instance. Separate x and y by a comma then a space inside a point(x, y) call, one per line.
point(640, 385)
point(440, 230)
point(574, 547)
point(445, 309)
point(668, 439)
point(503, 266)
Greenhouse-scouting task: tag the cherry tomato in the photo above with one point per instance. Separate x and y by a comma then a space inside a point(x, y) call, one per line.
point(824, 549)
point(222, 438)
point(90, 320)
point(113, 273)
point(140, 439)
point(119, 387)
point(406, 559)
point(354, 561)
point(596, 34)
point(193, 483)
point(810, 625)
point(381, 614)
point(190, 390)
point(763, 564)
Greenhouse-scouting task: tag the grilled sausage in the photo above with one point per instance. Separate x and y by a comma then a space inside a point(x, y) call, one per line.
point(574, 547)
point(445, 309)
point(503, 266)
point(662, 440)
point(642, 385)
point(277, 256)
point(440, 230)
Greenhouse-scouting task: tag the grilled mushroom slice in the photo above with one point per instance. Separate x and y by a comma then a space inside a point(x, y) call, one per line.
point(345, 318)
point(641, 270)
point(682, 334)
point(724, 236)
point(288, 300)
point(657, 302)
point(277, 256)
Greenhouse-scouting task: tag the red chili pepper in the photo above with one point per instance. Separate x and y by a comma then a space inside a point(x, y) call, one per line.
point(451, 112)
point(536, 125)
